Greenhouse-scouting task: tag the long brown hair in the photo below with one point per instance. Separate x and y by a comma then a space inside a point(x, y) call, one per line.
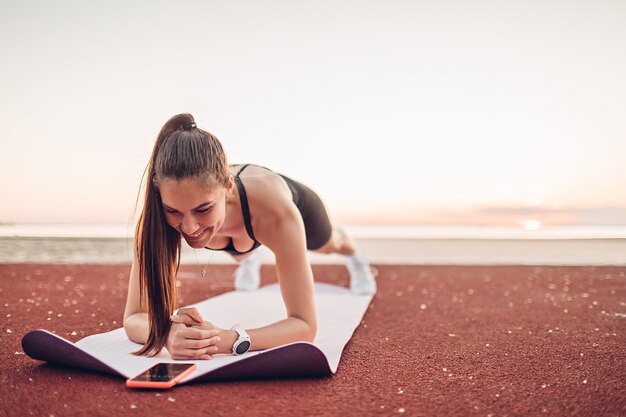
point(180, 151)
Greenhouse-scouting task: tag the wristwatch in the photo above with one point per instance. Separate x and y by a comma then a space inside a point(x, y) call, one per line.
point(242, 344)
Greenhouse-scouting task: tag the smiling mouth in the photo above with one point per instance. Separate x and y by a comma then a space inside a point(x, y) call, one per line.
point(197, 237)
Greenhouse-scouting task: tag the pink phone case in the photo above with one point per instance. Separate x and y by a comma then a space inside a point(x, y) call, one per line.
point(160, 384)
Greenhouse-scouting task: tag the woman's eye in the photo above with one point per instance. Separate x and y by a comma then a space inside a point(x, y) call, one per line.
point(202, 211)
point(171, 211)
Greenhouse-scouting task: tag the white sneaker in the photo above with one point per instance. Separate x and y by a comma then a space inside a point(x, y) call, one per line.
point(248, 273)
point(362, 279)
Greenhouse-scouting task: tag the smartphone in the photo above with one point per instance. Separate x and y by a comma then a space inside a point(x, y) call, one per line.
point(161, 375)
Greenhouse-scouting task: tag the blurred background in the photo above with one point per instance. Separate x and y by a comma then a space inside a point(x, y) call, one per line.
point(412, 119)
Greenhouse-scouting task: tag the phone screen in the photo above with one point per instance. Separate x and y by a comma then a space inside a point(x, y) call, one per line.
point(163, 372)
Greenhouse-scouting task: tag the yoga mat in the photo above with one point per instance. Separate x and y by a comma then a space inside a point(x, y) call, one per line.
point(339, 313)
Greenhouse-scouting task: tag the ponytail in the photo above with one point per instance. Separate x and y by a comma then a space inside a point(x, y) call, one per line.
point(182, 150)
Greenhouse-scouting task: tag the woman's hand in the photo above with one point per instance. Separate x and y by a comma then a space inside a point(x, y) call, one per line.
point(192, 343)
point(188, 316)
point(190, 337)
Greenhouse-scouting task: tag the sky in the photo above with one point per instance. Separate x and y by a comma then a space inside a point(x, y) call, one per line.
point(394, 111)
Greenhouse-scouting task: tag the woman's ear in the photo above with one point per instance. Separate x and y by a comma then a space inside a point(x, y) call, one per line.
point(230, 184)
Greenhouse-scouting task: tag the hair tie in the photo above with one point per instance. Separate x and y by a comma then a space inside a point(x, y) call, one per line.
point(190, 126)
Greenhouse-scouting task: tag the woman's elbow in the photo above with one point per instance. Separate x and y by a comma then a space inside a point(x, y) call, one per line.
point(306, 329)
point(311, 332)
point(136, 327)
point(129, 330)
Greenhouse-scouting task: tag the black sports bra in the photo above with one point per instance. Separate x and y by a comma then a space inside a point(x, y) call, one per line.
point(245, 209)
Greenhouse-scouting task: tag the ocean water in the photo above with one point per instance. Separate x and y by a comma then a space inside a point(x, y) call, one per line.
point(446, 245)
point(116, 230)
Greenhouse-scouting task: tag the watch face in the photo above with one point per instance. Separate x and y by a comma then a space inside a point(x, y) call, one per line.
point(242, 347)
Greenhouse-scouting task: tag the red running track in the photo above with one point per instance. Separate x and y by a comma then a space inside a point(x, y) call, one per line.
point(436, 341)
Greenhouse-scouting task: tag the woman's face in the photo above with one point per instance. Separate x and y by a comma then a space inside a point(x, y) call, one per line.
point(197, 213)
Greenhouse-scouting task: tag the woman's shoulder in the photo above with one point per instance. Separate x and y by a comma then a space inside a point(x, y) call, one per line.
point(249, 170)
point(267, 192)
point(275, 218)
point(262, 183)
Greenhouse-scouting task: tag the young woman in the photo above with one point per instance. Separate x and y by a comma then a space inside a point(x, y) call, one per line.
point(192, 193)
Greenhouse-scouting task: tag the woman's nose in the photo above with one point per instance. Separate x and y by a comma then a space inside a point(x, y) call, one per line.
point(189, 225)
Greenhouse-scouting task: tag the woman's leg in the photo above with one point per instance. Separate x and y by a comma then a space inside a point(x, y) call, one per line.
point(248, 273)
point(322, 238)
point(362, 279)
point(339, 242)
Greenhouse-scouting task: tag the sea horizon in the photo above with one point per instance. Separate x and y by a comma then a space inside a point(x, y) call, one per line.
point(359, 231)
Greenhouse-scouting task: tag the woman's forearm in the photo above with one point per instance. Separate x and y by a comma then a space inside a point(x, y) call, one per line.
point(136, 327)
point(291, 329)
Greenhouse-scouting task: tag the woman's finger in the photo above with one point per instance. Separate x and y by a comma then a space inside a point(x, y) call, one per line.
point(182, 318)
point(191, 358)
point(192, 312)
point(201, 343)
point(194, 353)
point(195, 333)
point(187, 317)
point(204, 325)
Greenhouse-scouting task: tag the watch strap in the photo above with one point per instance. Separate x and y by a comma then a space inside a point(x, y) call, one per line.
point(243, 337)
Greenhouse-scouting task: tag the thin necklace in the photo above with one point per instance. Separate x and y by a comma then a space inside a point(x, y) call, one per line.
point(203, 272)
